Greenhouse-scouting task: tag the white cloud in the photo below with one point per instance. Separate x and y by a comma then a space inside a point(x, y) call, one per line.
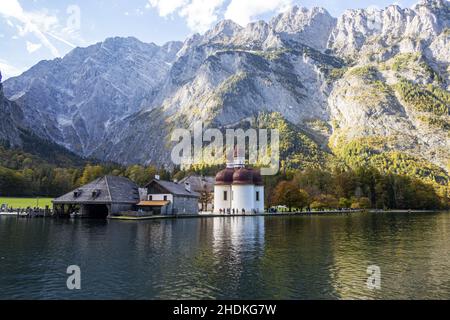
point(32, 47)
point(41, 24)
point(8, 70)
point(13, 9)
point(246, 11)
point(201, 14)
point(167, 7)
point(43, 20)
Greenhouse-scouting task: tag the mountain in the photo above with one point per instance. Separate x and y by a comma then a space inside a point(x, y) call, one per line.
point(371, 86)
point(16, 141)
point(10, 119)
point(74, 100)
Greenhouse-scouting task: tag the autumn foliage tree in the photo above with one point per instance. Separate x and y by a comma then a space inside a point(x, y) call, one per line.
point(287, 193)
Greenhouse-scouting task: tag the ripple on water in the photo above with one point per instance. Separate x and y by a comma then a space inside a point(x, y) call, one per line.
point(307, 257)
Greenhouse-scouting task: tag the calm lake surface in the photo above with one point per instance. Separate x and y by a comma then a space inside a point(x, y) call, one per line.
point(302, 257)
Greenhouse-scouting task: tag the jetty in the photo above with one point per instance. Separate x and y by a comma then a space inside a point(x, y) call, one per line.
point(27, 213)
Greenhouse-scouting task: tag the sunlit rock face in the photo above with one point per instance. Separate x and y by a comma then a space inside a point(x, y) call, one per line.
point(120, 99)
point(359, 32)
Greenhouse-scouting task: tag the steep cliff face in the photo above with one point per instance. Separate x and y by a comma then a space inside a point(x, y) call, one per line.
point(369, 75)
point(74, 101)
point(408, 117)
point(11, 117)
point(396, 88)
point(384, 33)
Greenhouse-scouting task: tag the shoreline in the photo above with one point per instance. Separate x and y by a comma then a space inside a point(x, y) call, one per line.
point(217, 215)
point(278, 214)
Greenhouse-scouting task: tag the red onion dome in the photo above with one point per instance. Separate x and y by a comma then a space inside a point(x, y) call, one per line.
point(257, 178)
point(225, 176)
point(243, 176)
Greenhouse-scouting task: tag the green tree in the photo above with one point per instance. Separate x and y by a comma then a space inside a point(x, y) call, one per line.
point(344, 203)
point(91, 172)
point(364, 203)
point(303, 199)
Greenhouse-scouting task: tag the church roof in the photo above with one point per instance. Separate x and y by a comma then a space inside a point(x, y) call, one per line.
point(241, 175)
point(225, 176)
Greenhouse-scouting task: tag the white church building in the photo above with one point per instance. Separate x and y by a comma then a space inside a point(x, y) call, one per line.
point(238, 189)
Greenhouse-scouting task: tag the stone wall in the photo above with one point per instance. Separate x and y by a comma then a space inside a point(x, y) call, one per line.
point(116, 208)
point(185, 205)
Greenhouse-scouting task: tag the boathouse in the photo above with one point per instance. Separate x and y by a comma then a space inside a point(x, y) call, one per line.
point(103, 197)
point(169, 198)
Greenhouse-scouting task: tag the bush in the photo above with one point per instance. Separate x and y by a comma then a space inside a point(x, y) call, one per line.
point(344, 203)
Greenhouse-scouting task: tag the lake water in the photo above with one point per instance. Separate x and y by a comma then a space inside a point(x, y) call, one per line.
point(301, 257)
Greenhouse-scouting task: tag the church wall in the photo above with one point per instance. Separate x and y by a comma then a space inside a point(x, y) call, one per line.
point(243, 198)
point(219, 202)
point(259, 205)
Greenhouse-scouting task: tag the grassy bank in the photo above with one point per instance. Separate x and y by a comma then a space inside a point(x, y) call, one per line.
point(26, 202)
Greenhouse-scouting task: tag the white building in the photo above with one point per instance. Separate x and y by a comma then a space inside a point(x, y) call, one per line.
point(238, 189)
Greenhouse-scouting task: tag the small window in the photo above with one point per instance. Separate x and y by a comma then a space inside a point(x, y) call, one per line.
point(165, 198)
point(150, 198)
point(257, 195)
point(225, 196)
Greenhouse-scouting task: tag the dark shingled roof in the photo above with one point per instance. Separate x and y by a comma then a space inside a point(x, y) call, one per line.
point(200, 183)
point(112, 190)
point(175, 188)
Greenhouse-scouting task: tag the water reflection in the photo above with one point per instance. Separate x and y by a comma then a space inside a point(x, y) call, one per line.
point(308, 257)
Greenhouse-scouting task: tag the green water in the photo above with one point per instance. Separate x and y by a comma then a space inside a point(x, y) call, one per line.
point(304, 257)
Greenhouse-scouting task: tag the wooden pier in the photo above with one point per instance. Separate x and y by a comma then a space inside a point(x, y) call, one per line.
point(28, 212)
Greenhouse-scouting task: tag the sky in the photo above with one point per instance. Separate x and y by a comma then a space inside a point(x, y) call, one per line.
point(34, 30)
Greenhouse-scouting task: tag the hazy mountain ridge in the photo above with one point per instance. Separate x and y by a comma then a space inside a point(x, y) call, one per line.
point(340, 79)
point(10, 120)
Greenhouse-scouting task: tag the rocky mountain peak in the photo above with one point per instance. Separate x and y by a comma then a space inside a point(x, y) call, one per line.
point(360, 32)
point(172, 47)
point(308, 26)
point(256, 34)
point(432, 4)
point(225, 28)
